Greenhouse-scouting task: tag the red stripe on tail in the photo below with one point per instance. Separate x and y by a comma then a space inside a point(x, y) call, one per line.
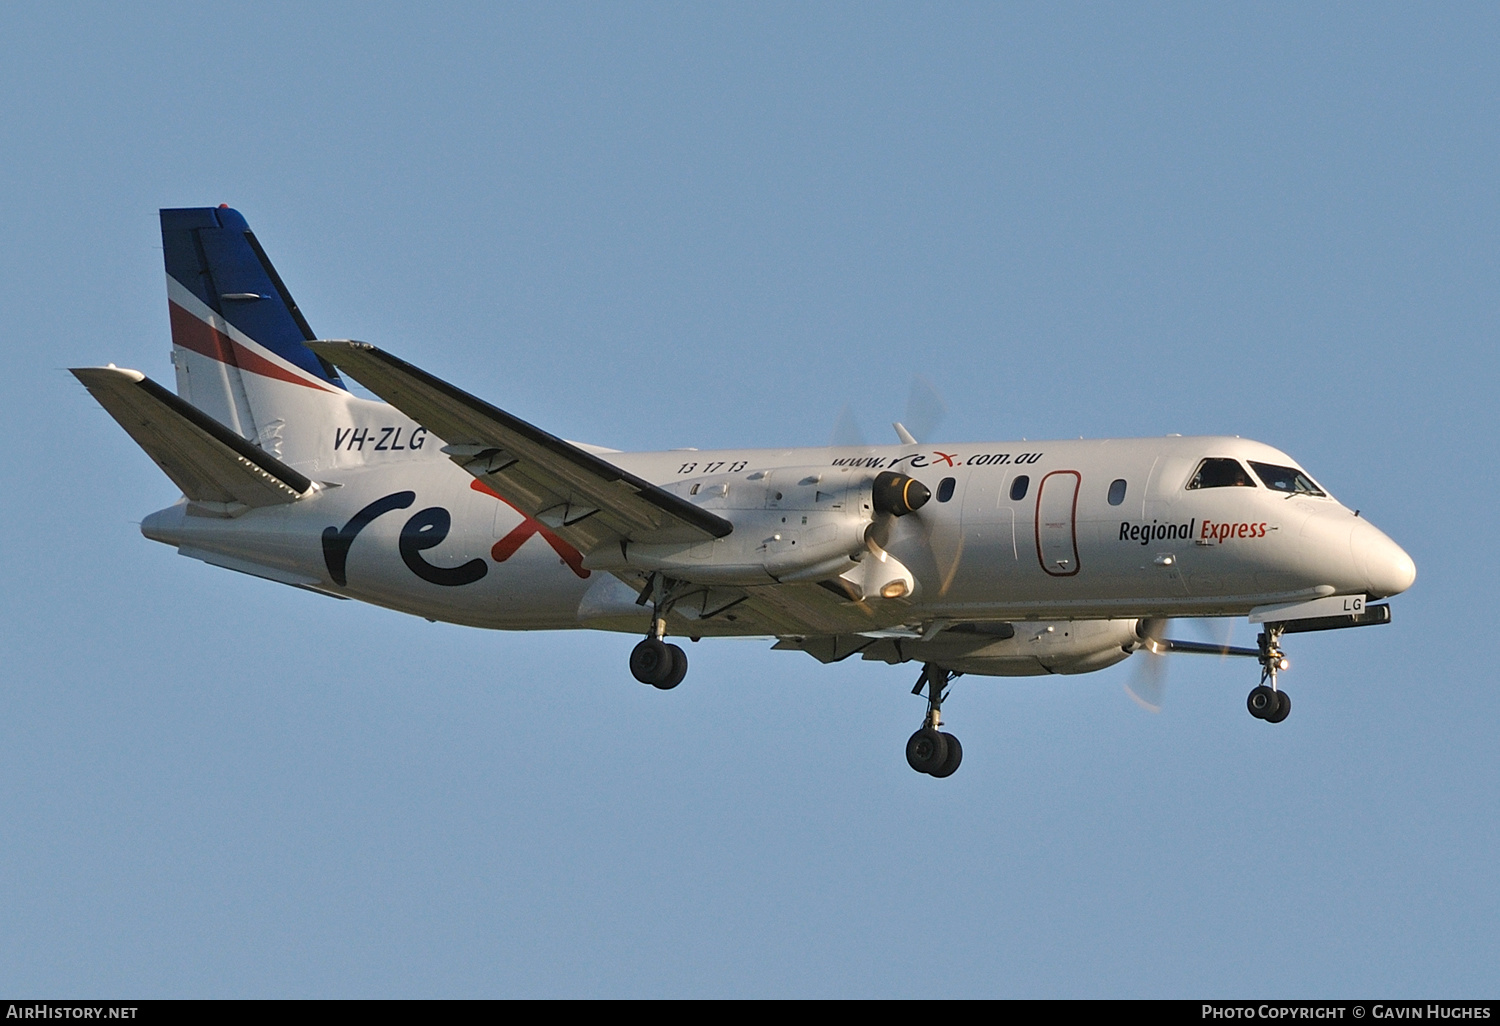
point(191, 333)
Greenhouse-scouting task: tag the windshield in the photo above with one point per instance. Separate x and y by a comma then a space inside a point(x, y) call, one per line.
point(1286, 479)
point(1220, 473)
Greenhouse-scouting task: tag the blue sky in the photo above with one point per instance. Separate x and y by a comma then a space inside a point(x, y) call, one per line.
point(653, 226)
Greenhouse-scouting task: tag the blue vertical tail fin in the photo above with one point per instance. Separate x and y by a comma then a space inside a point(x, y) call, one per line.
point(237, 334)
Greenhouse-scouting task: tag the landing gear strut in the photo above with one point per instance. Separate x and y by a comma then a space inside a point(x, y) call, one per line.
point(1266, 701)
point(654, 661)
point(929, 750)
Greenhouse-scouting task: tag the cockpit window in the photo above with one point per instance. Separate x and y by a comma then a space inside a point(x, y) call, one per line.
point(1220, 473)
point(1286, 479)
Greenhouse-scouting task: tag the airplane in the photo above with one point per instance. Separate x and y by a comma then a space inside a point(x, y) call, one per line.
point(990, 558)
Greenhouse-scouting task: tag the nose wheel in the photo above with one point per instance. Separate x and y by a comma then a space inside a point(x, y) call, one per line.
point(931, 750)
point(1266, 701)
point(1268, 705)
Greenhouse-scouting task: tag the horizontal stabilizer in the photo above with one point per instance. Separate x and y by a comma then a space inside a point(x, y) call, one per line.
point(210, 463)
point(585, 499)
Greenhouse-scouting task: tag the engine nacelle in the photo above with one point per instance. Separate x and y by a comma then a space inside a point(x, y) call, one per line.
point(790, 524)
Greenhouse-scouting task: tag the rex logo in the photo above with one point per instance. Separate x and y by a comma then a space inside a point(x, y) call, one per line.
point(429, 528)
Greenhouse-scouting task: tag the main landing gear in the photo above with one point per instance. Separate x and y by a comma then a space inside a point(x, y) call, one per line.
point(929, 750)
point(654, 661)
point(1266, 701)
point(659, 664)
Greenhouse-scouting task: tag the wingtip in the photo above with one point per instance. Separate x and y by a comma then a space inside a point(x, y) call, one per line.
point(85, 374)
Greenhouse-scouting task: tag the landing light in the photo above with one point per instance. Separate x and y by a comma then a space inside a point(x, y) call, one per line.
point(895, 589)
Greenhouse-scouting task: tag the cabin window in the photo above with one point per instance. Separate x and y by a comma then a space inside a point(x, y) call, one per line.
point(1018, 488)
point(1286, 479)
point(945, 489)
point(1218, 472)
point(1117, 491)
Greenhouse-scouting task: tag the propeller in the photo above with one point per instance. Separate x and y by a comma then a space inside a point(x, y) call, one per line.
point(847, 433)
point(893, 495)
point(925, 410)
point(1147, 686)
point(1148, 682)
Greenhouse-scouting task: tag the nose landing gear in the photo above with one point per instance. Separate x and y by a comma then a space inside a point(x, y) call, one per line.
point(930, 750)
point(1266, 701)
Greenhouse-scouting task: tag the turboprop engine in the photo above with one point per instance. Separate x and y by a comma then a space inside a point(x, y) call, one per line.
point(791, 524)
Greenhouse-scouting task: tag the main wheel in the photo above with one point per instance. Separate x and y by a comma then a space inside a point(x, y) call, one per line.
point(955, 756)
point(1283, 708)
point(651, 662)
point(678, 671)
point(1262, 702)
point(927, 751)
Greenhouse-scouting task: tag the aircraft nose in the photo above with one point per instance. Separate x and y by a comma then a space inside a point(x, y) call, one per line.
point(1387, 568)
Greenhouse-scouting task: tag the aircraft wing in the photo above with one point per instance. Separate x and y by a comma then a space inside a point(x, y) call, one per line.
point(209, 462)
point(587, 500)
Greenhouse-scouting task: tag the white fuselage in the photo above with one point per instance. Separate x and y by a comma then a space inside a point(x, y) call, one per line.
point(1060, 550)
point(993, 558)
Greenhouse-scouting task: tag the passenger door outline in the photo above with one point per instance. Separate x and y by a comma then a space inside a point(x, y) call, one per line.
point(1057, 524)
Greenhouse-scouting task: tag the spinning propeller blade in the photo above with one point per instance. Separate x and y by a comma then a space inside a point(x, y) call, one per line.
point(1148, 683)
point(846, 431)
point(925, 410)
